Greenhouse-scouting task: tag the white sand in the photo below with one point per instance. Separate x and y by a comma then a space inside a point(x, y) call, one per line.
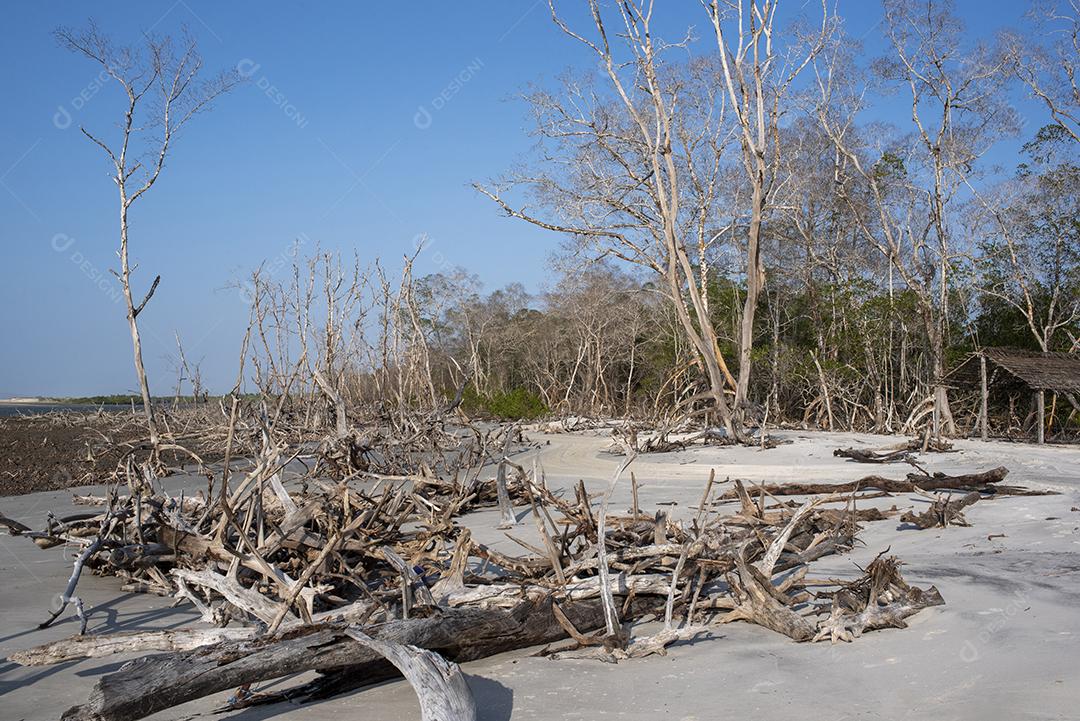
point(1005, 645)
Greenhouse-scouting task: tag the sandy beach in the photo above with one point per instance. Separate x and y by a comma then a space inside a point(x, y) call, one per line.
point(1003, 647)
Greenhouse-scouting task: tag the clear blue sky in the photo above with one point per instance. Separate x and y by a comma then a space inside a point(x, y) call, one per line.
point(336, 157)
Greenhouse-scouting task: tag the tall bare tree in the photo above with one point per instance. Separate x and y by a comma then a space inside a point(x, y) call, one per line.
point(636, 160)
point(914, 179)
point(1030, 238)
point(757, 75)
point(1049, 69)
point(162, 92)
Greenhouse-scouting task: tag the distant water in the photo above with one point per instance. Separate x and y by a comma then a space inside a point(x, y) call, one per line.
point(30, 409)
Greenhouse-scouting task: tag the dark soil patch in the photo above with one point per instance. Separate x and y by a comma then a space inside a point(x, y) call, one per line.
point(49, 452)
point(45, 452)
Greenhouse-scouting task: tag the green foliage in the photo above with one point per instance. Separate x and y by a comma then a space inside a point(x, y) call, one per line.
point(890, 165)
point(516, 404)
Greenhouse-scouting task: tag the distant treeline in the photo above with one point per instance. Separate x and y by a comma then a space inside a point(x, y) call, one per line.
point(128, 399)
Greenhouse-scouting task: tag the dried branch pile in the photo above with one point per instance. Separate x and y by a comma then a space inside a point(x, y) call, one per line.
point(296, 572)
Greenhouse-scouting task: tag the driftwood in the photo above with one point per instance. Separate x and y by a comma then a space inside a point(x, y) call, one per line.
point(880, 599)
point(942, 512)
point(154, 683)
point(872, 456)
point(983, 481)
point(895, 453)
point(76, 647)
point(506, 511)
point(444, 695)
point(339, 574)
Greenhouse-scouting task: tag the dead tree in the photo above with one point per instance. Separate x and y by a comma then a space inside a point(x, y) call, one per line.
point(1051, 72)
point(650, 148)
point(162, 93)
point(903, 190)
point(756, 78)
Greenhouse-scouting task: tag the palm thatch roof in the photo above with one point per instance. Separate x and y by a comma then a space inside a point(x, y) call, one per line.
point(1038, 371)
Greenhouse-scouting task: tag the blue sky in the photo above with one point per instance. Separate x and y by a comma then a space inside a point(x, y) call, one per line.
point(324, 144)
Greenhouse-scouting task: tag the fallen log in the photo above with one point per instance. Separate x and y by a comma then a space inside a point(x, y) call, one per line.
point(153, 683)
point(77, 647)
point(914, 482)
point(872, 456)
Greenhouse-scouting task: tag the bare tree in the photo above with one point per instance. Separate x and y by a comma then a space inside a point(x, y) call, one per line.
point(635, 167)
point(163, 92)
point(757, 77)
point(186, 372)
point(1050, 70)
point(1030, 239)
point(913, 181)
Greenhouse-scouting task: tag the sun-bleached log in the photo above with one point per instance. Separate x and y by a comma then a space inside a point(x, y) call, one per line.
point(77, 647)
point(153, 683)
point(913, 482)
point(439, 684)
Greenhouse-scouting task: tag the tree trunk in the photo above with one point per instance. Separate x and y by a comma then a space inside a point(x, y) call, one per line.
point(936, 336)
point(755, 274)
point(133, 326)
point(984, 398)
point(705, 343)
point(153, 683)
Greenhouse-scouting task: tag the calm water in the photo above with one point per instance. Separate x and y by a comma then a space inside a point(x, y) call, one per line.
point(24, 409)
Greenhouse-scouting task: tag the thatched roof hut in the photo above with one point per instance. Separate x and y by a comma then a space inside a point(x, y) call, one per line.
point(1038, 371)
point(1013, 369)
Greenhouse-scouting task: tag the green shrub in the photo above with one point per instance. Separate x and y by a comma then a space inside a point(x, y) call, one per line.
point(516, 404)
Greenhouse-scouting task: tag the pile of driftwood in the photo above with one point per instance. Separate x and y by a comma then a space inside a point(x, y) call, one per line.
point(361, 574)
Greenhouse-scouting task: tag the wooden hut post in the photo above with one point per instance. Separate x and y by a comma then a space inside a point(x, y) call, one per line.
point(983, 410)
point(937, 415)
point(1040, 412)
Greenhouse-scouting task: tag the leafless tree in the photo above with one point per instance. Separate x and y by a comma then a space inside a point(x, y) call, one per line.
point(636, 160)
point(162, 91)
point(1050, 70)
point(757, 75)
point(1029, 237)
point(913, 180)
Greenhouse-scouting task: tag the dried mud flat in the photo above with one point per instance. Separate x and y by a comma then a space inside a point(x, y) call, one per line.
point(1004, 645)
point(54, 451)
point(50, 452)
